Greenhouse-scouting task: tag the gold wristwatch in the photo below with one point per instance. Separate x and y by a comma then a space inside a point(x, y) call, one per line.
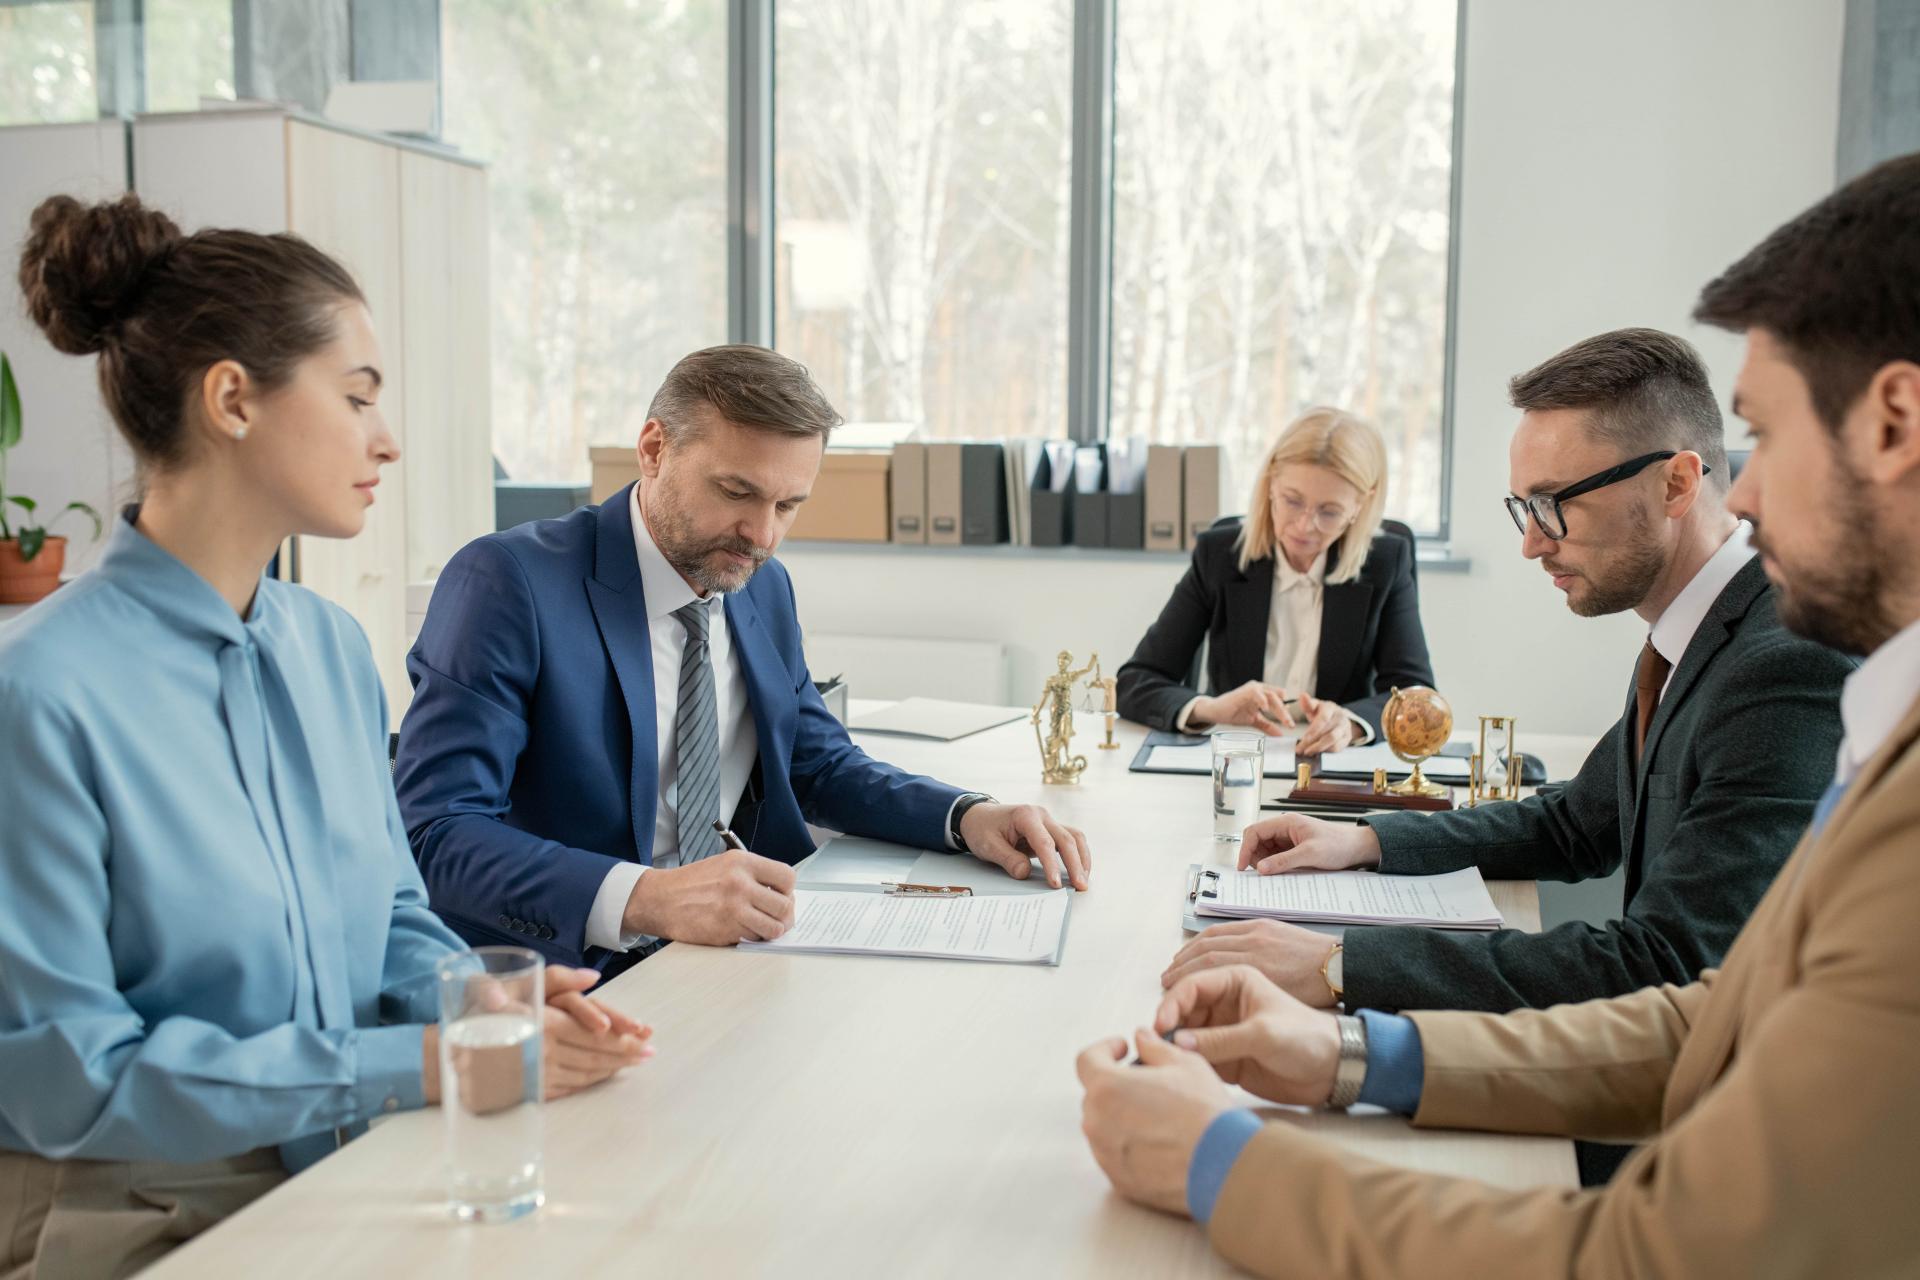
point(1333, 971)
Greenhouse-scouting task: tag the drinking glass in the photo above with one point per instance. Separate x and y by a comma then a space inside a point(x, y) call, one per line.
point(492, 1002)
point(1239, 764)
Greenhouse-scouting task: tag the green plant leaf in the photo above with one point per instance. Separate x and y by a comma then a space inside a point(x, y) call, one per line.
point(86, 511)
point(31, 540)
point(9, 405)
point(25, 504)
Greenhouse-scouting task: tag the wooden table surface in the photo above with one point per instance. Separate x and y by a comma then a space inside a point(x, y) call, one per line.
point(852, 1116)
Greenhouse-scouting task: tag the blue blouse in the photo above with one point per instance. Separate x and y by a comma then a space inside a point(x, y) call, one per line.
point(215, 937)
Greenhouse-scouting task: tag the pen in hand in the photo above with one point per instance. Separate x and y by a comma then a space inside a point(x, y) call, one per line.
point(727, 837)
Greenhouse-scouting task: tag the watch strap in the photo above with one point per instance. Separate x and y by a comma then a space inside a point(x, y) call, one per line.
point(959, 811)
point(1351, 1072)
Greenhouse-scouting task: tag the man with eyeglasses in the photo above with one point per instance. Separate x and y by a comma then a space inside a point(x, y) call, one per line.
point(1776, 1095)
point(1619, 475)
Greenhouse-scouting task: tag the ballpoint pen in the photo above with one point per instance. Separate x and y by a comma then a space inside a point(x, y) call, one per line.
point(899, 888)
point(727, 837)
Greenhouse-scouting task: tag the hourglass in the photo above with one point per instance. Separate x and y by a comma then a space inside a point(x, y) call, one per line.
point(1494, 772)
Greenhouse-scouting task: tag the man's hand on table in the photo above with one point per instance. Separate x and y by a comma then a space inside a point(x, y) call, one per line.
point(1008, 835)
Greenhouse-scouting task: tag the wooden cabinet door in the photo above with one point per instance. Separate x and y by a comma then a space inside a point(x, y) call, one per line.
point(343, 194)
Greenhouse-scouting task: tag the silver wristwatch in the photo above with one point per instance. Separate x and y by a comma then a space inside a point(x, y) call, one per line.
point(1352, 1071)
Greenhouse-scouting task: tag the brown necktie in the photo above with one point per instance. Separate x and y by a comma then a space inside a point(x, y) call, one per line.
point(1648, 681)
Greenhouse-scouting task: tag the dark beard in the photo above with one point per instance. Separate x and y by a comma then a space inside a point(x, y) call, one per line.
point(1629, 579)
point(1840, 602)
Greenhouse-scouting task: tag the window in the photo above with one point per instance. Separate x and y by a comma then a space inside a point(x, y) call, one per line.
point(1282, 185)
point(922, 168)
point(189, 52)
point(605, 126)
point(47, 63)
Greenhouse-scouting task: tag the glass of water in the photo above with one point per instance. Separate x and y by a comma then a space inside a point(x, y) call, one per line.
point(492, 1003)
point(1239, 763)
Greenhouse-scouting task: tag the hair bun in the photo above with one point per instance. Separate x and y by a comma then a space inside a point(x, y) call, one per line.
point(82, 266)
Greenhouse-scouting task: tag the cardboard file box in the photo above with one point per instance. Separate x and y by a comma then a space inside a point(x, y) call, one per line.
point(849, 502)
point(1052, 518)
point(615, 466)
point(1205, 466)
point(1126, 520)
point(1166, 500)
point(966, 493)
point(909, 485)
point(1048, 513)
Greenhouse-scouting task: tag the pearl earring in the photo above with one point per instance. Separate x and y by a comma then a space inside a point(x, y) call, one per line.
point(239, 433)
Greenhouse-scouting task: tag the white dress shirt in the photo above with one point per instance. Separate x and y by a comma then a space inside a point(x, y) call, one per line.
point(1293, 637)
point(1875, 699)
point(1675, 629)
point(666, 591)
point(1293, 625)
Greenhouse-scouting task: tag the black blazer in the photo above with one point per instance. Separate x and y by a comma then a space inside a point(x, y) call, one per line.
point(1737, 755)
point(1370, 636)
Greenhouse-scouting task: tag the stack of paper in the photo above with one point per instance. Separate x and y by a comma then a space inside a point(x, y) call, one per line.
point(1023, 456)
point(1456, 900)
point(936, 719)
point(1009, 928)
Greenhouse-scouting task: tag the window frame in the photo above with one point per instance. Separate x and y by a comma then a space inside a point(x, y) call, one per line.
point(750, 216)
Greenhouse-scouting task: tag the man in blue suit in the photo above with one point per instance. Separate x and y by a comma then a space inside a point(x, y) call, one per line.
point(592, 694)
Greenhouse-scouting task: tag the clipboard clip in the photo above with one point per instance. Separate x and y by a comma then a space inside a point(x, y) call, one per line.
point(1195, 892)
point(901, 889)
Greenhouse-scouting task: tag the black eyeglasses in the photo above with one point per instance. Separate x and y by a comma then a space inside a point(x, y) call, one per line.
point(1546, 506)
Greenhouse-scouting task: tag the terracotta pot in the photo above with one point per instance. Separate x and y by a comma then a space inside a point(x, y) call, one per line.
point(27, 581)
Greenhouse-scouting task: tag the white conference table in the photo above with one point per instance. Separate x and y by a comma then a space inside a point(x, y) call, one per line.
point(854, 1116)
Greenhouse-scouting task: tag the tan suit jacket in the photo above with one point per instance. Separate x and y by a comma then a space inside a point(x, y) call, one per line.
point(1778, 1097)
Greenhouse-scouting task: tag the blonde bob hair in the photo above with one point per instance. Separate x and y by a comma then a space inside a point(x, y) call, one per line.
point(1344, 444)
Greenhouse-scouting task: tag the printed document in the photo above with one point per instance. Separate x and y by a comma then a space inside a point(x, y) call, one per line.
point(1456, 900)
point(1010, 928)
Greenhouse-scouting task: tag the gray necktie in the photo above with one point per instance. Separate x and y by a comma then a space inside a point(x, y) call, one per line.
point(696, 741)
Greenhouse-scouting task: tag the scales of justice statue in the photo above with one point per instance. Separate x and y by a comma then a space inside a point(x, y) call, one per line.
point(1058, 764)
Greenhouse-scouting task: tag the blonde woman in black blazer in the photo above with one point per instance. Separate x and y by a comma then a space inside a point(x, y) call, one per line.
point(1309, 607)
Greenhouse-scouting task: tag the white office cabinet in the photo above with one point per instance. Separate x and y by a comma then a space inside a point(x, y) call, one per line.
point(343, 194)
point(410, 223)
point(443, 262)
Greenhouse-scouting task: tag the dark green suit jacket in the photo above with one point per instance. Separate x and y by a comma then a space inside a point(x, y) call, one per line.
point(1741, 748)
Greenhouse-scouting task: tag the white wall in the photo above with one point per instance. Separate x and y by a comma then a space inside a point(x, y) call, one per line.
point(68, 451)
point(1615, 157)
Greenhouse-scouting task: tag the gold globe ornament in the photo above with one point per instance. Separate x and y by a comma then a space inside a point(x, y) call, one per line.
point(1417, 722)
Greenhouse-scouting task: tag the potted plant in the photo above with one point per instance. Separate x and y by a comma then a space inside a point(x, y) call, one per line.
point(30, 558)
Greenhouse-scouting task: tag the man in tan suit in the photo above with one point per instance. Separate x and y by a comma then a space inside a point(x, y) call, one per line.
point(1779, 1096)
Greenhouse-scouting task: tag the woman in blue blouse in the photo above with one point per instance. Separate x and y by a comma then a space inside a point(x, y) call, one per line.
point(218, 957)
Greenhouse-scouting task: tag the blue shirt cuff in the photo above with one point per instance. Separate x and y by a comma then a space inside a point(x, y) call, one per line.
point(387, 1063)
point(1396, 1065)
point(1213, 1159)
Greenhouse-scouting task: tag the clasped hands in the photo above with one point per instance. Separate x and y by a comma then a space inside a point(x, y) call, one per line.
point(1247, 1004)
point(1323, 724)
point(720, 900)
point(583, 1043)
point(1230, 1026)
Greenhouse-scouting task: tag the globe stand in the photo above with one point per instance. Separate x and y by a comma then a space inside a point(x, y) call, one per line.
point(1417, 783)
point(1416, 723)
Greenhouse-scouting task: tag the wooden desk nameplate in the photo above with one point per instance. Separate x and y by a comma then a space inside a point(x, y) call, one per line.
point(1368, 795)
